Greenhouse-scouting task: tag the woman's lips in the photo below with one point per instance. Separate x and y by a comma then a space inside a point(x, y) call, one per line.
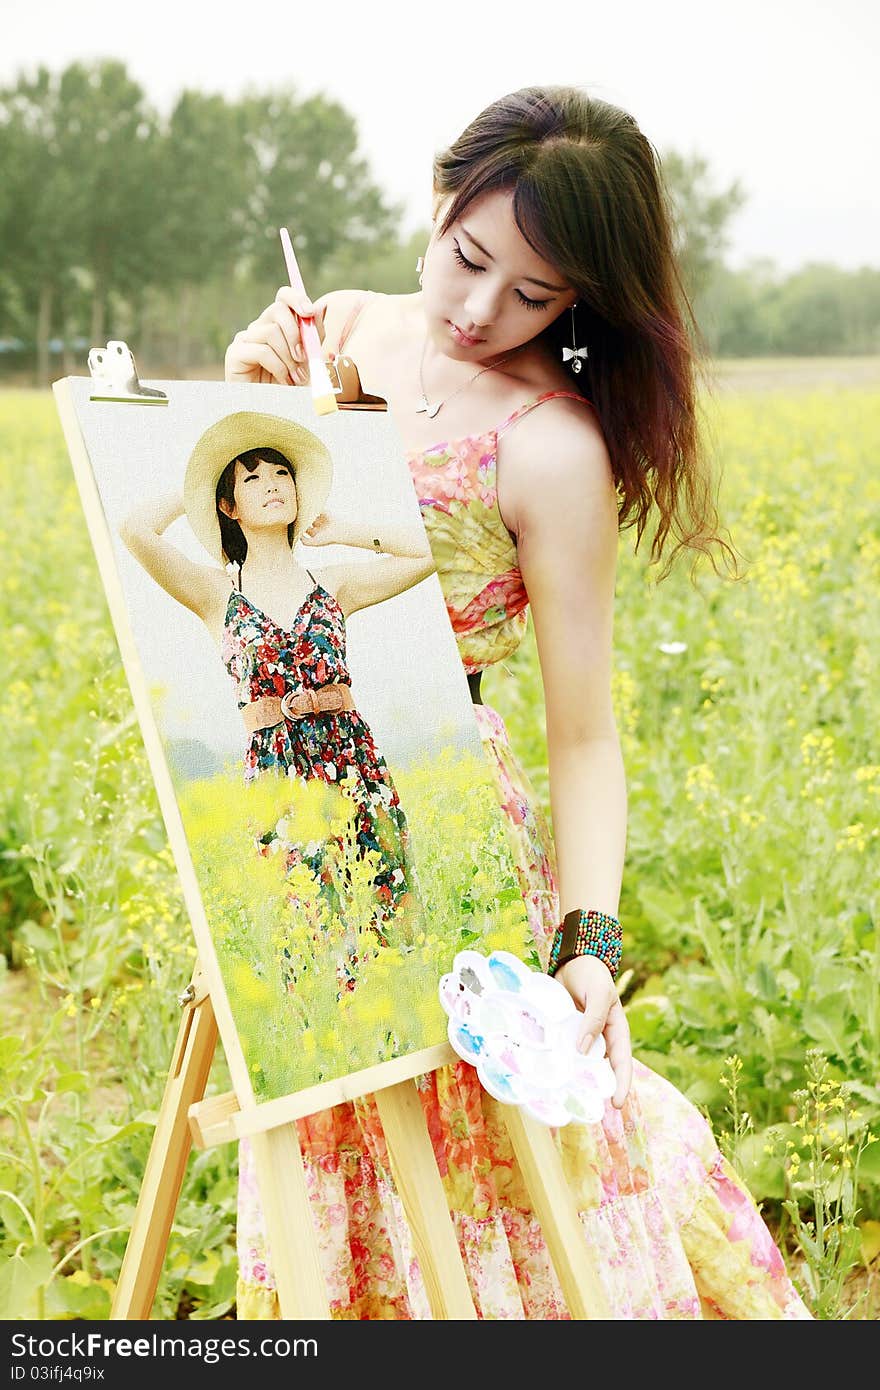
point(464, 339)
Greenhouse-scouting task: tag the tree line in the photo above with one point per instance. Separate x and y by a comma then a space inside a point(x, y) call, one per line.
point(116, 222)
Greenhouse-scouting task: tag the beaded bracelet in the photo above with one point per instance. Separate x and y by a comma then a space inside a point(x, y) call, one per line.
point(587, 932)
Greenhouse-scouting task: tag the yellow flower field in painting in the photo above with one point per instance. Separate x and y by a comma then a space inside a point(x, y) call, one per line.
point(303, 1012)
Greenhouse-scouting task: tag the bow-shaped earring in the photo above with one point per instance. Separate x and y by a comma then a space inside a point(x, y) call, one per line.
point(420, 266)
point(574, 354)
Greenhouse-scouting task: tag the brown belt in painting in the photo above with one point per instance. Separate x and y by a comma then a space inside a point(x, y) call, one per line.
point(271, 709)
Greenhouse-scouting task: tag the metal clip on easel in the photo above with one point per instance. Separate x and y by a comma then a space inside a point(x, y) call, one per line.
point(115, 377)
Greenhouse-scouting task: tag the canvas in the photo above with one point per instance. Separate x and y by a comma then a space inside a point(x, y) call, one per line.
point(335, 862)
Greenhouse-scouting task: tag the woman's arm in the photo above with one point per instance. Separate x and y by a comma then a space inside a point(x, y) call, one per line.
point(408, 560)
point(198, 587)
point(567, 533)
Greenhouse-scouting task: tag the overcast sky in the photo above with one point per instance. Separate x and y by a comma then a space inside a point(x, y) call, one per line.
point(776, 93)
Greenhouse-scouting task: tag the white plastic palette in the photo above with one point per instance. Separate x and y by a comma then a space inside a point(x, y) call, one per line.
point(519, 1028)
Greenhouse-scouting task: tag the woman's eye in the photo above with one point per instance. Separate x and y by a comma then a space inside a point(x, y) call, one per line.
point(532, 303)
point(476, 269)
point(464, 262)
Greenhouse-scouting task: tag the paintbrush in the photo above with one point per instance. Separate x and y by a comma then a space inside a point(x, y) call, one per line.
point(323, 396)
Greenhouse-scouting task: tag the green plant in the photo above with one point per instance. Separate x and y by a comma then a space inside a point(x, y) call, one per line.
point(822, 1179)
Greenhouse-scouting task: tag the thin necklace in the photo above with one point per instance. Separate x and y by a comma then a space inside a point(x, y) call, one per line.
point(425, 408)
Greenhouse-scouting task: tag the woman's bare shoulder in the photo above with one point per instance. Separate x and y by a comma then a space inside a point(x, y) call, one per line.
point(381, 314)
point(341, 301)
point(562, 442)
point(565, 429)
point(340, 307)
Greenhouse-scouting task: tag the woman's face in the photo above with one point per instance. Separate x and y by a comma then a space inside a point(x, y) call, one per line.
point(264, 497)
point(485, 290)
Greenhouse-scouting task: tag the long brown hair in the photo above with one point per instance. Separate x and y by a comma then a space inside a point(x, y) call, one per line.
point(589, 197)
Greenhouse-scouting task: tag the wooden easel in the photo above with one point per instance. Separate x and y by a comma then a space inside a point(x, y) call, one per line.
point(185, 1115)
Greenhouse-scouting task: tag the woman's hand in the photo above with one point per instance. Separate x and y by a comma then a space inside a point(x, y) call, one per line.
point(271, 348)
point(590, 985)
point(325, 530)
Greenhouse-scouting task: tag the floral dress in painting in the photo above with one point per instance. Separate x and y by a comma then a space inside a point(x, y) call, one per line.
point(674, 1230)
point(337, 748)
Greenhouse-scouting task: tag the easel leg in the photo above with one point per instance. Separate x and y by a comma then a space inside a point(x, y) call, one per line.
point(424, 1201)
point(293, 1248)
point(555, 1209)
point(166, 1165)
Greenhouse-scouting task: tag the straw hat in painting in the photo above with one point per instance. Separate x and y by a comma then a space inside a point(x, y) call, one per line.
point(232, 436)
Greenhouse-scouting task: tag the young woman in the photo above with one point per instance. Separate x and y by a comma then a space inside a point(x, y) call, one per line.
point(256, 484)
point(543, 382)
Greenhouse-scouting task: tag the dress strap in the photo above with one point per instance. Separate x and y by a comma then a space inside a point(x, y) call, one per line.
point(539, 400)
point(348, 326)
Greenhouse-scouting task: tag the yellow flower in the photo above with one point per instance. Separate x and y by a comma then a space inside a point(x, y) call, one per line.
point(700, 784)
point(853, 837)
point(248, 986)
